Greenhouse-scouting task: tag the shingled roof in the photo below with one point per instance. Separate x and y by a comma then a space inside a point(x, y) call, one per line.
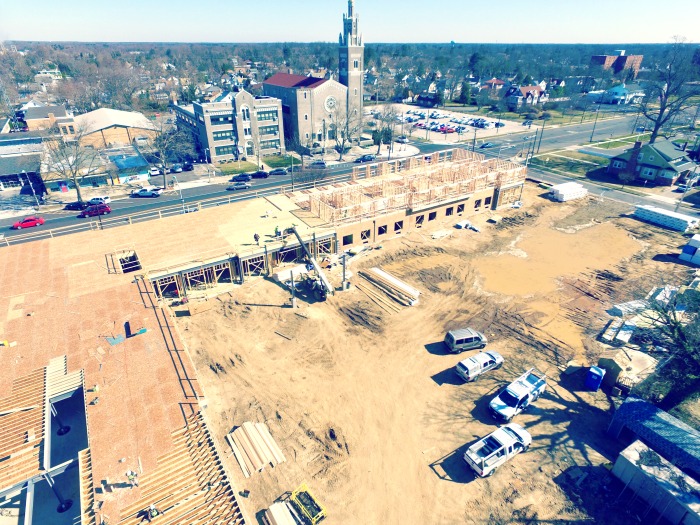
point(667, 435)
point(289, 80)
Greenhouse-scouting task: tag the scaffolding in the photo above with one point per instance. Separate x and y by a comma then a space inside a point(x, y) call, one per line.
point(410, 184)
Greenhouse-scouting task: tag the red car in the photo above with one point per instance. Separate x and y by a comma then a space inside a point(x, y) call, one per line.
point(28, 222)
point(92, 211)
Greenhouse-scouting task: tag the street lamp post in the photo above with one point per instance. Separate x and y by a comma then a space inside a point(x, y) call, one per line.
point(597, 111)
point(474, 141)
point(182, 199)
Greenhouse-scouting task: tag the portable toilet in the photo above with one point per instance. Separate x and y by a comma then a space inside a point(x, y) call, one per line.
point(594, 378)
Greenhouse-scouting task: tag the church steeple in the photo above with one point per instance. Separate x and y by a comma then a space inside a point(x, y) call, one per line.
point(351, 54)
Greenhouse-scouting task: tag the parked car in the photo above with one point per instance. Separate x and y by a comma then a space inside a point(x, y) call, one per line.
point(471, 368)
point(366, 158)
point(154, 171)
point(527, 123)
point(93, 211)
point(489, 453)
point(260, 174)
point(278, 171)
point(77, 205)
point(499, 124)
point(518, 395)
point(241, 177)
point(318, 165)
point(28, 222)
point(402, 139)
point(487, 145)
point(187, 166)
point(239, 186)
point(176, 168)
point(148, 191)
point(464, 339)
point(100, 200)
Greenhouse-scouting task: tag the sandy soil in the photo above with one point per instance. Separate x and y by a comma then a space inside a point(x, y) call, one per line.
point(365, 403)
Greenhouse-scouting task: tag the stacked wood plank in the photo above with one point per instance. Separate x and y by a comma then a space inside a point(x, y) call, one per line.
point(254, 448)
point(398, 290)
point(87, 489)
point(280, 513)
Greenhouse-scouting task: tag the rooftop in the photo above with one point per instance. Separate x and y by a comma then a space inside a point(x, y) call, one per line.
point(106, 118)
point(289, 80)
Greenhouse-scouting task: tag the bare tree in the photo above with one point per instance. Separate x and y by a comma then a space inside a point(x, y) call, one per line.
point(384, 133)
point(69, 158)
point(347, 128)
point(668, 92)
point(171, 145)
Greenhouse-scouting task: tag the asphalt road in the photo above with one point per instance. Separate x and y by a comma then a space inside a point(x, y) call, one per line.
point(171, 203)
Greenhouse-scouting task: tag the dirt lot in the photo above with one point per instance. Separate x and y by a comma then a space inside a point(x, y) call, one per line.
point(365, 403)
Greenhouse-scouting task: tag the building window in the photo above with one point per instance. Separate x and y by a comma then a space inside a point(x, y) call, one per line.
point(487, 201)
point(246, 132)
point(460, 208)
point(356, 64)
point(449, 211)
point(71, 129)
point(304, 95)
point(432, 216)
point(398, 226)
point(307, 135)
point(306, 117)
point(347, 239)
point(267, 115)
point(477, 204)
point(249, 148)
point(355, 91)
point(382, 230)
point(223, 135)
point(268, 130)
point(365, 236)
point(245, 113)
point(225, 150)
point(419, 220)
point(269, 144)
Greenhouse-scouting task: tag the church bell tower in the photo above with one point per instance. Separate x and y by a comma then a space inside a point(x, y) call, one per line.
point(351, 58)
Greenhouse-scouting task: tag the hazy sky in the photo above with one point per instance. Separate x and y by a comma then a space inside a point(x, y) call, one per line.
point(498, 21)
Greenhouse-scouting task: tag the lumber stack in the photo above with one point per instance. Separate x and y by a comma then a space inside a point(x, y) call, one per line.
point(281, 513)
point(254, 447)
point(398, 290)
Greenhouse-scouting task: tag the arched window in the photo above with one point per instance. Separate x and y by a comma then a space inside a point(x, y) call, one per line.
point(245, 113)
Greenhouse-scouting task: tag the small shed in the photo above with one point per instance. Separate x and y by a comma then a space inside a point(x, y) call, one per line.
point(623, 363)
point(672, 493)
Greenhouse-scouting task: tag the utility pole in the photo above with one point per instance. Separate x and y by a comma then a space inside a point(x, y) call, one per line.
point(541, 134)
point(597, 111)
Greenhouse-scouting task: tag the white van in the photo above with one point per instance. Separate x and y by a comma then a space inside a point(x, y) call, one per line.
point(470, 369)
point(464, 339)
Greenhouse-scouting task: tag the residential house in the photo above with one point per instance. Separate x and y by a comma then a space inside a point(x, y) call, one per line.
point(619, 62)
point(236, 125)
point(494, 84)
point(44, 117)
point(517, 96)
point(623, 94)
point(311, 107)
point(661, 162)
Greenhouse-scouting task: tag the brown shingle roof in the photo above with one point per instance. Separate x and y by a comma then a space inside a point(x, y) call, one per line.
point(293, 81)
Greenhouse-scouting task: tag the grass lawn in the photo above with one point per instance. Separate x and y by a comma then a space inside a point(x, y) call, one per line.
point(571, 162)
point(629, 142)
point(234, 168)
point(279, 161)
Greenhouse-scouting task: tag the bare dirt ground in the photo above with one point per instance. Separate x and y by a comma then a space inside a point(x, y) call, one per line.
point(365, 403)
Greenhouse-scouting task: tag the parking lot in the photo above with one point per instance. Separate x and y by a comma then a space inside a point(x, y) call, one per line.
point(416, 122)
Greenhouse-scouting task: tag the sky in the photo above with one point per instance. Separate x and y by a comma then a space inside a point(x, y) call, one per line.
point(436, 21)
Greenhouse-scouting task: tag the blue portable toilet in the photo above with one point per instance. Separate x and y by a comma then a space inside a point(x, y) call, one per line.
point(594, 378)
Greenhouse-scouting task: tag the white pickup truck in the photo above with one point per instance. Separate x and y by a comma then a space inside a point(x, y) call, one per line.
point(517, 396)
point(489, 453)
point(148, 191)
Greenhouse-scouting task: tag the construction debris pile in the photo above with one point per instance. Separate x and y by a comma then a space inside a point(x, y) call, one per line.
point(254, 447)
point(396, 289)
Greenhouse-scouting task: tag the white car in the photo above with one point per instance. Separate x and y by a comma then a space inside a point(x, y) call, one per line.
point(99, 200)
